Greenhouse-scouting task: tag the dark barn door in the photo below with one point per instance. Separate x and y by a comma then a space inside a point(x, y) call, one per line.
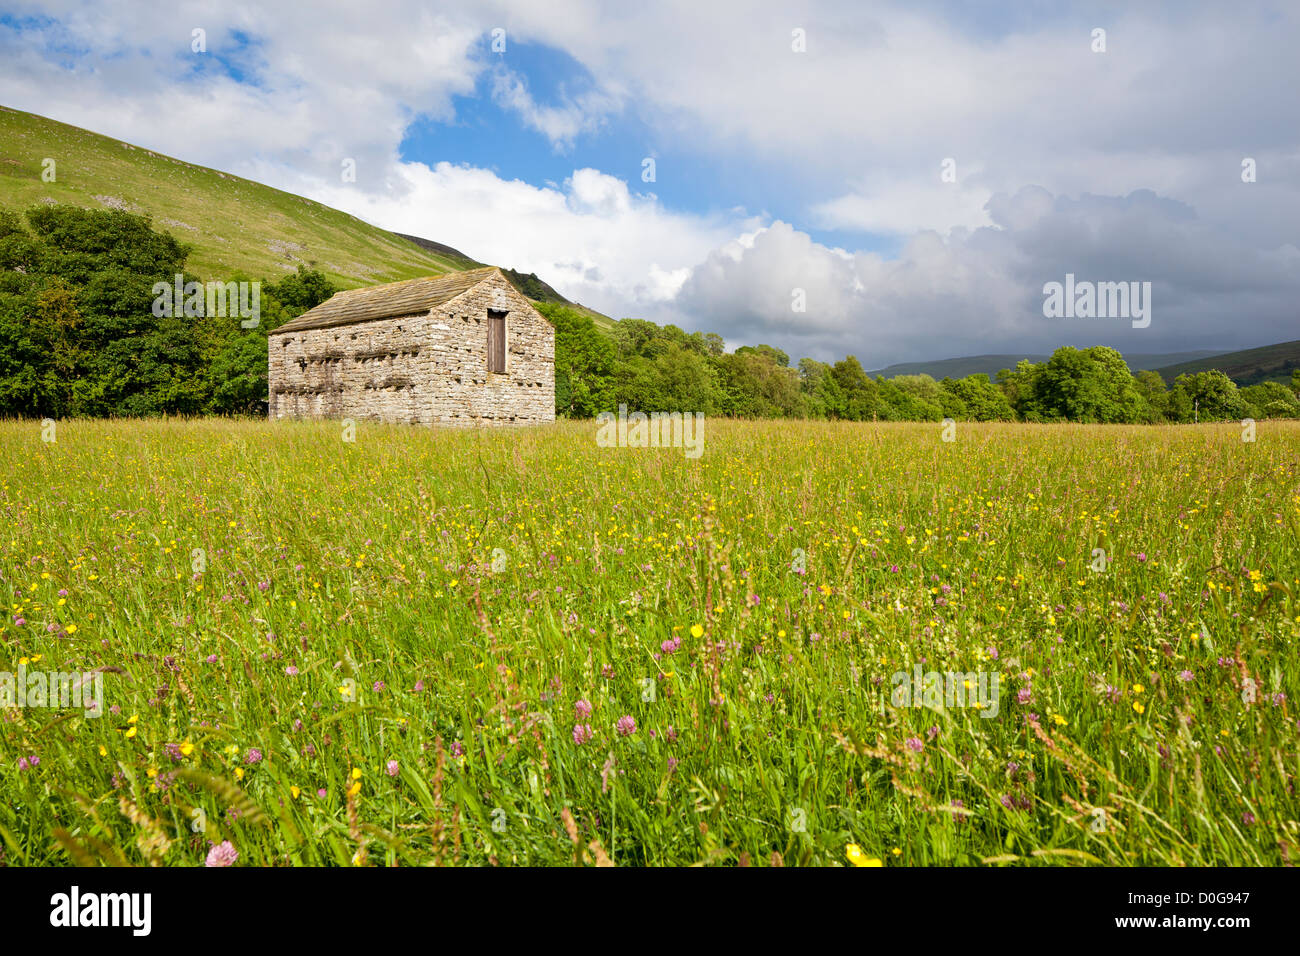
point(496, 344)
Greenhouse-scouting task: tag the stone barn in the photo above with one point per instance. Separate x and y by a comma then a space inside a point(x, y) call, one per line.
point(463, 349)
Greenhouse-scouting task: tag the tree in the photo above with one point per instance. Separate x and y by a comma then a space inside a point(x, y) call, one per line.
point(983, 401)
point(1021, 388)
point(1151, 387)
point(757, 385)
point(862, 400)
point(584, 363)
point(906, 405)
point(1206, 396)
point(776, 355)
point(822, 394)
point(300, 291)
point(1089, 385)
point(1271, 400)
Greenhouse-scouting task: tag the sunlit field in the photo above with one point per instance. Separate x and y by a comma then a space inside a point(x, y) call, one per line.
point(516, 647)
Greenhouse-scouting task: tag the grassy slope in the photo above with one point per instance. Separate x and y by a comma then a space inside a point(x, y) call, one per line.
point(1247, 367)
point(234, 225)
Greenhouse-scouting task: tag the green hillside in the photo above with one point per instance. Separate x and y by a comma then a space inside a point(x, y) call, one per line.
point(234, 225)
point(1270, 363)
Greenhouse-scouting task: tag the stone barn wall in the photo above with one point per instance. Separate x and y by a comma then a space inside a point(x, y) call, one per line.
point(430, 368)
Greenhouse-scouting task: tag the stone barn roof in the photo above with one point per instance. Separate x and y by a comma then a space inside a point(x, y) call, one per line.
point(408, 297)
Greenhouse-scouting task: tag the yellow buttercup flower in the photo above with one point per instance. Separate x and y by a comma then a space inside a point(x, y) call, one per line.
point(697, 631)
point(858, 858)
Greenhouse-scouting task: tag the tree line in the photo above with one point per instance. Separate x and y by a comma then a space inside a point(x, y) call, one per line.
point(663, 368)
point(79, 337)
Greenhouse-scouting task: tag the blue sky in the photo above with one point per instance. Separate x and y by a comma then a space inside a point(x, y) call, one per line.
point(798, 148)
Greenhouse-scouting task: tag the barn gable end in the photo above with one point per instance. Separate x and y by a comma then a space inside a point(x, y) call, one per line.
point(418, 351)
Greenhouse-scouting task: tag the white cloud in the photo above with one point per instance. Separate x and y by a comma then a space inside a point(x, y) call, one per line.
point(591, 238)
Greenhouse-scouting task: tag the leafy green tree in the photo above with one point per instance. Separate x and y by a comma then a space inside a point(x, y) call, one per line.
point(777, 356)
point(1088, 385)
point(1208, 396)
point(922, 393)
point(1021, 388)
point(1271, 400)
point(1151, 387)
point(300, 291)
point(982, 400)
point(584, 363)
point(757, 385)
point(862, 398)
point(906, 405)
point(822, 394)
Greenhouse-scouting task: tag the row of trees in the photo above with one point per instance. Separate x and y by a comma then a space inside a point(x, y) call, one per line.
point(650, 367)
point(78, 337)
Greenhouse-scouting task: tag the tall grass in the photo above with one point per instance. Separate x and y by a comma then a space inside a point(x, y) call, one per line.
point(382, 654)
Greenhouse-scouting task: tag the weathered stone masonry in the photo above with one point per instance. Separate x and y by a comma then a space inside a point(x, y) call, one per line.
point(416, 351)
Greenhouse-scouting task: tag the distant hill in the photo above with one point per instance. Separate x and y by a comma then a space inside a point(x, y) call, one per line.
point(990, 365)
point(1270, 363)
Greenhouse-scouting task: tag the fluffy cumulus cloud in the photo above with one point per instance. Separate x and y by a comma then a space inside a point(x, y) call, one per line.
point(1116, 165)
point(590, 236)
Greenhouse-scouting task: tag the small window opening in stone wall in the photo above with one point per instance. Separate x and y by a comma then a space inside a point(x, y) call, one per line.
point(496, 341)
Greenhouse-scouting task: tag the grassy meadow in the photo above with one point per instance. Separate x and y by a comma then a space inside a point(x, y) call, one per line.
point(517, 647)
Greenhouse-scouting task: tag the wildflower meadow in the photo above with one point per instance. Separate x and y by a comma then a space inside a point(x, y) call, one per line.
point(844, 644)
